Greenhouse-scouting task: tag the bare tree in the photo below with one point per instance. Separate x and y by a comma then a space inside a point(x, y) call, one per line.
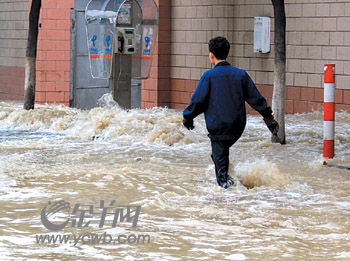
point(279, 90)
point(29, 85)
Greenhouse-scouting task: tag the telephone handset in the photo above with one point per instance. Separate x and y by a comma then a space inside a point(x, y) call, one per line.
point(126, 40)
point(121, 46)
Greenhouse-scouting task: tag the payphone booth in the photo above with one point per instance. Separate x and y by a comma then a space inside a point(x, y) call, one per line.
point(121, 36)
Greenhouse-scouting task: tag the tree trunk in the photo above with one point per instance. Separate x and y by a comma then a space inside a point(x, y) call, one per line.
point(29, 85)
point(279, 89)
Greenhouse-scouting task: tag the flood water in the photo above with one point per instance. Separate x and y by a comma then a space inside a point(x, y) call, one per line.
point(298, 209)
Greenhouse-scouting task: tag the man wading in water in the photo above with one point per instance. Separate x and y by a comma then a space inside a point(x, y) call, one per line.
point(221, 94)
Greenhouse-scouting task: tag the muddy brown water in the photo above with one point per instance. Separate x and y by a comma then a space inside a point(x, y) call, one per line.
point(297, 210)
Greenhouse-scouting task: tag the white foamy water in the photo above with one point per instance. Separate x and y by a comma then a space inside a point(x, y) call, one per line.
point(295, 209)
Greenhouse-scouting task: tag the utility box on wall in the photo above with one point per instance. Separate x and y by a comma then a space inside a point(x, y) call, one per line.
point(262, 36)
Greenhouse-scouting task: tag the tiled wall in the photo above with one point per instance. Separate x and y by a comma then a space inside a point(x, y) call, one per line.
point(53, 56)
point(318, 32)
point(13, 37)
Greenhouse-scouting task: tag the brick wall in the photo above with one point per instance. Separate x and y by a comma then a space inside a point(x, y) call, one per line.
point(317, 33)
point(53, 56)
point(52, 78)
point(13, 36)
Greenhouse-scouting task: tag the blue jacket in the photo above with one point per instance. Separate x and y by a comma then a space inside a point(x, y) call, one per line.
point(221, 94)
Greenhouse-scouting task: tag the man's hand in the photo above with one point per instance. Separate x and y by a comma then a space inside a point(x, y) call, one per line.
point(188, 123)
point(272, 124)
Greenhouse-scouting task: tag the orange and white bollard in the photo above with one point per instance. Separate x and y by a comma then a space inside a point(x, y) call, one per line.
point(329, 111)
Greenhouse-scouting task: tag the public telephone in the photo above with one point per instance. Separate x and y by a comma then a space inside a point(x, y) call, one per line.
point(126, 41)
point(121, 35)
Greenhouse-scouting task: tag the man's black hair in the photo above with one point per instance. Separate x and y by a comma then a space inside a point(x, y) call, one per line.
point(220, 47)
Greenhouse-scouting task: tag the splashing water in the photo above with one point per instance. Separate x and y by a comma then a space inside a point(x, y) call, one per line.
point(260, 173)
point(107, 101)
point(296, 208)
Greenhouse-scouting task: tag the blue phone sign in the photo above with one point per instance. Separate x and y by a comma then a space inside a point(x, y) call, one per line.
point(147, 50)
point(108, 50)
point(94, 50)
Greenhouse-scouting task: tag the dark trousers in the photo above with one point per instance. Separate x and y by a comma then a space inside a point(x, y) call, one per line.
point(220, 157)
